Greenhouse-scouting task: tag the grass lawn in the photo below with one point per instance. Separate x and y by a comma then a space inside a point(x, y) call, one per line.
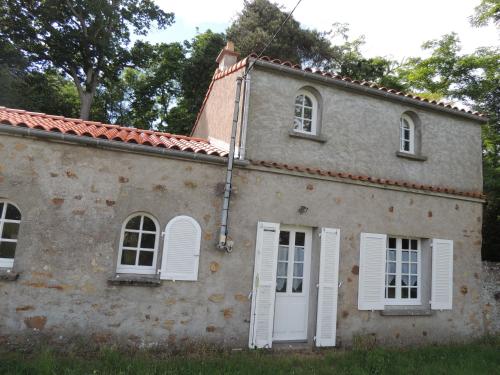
point(482, 357)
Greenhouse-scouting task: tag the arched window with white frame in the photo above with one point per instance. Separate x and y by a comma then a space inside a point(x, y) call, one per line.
point(306, 113)
point(407, 134)
point(138, 245)
point(10, 220)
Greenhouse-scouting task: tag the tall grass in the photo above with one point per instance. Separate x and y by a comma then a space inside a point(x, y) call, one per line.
point(482, 357)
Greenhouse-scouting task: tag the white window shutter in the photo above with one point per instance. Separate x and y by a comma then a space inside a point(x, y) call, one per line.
point(372, 271)
point(442, 274)
point(326, 325)
point(181, 249)
point(264, 286)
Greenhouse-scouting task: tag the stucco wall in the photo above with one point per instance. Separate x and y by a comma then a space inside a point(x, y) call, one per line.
point(73, 200)
point(362, 135)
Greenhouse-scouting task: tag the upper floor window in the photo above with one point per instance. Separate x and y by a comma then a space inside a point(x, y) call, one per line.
point(10, 219)
point(306, 112)
point(138, 245)
point(407, 134)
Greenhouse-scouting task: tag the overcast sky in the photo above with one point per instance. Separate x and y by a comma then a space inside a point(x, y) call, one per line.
point(394, 28)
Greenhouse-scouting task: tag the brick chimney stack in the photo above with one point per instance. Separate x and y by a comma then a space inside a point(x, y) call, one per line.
point(227, 56)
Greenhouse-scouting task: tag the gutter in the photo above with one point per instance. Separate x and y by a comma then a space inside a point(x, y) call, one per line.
point(113, 145)
point(367, 90)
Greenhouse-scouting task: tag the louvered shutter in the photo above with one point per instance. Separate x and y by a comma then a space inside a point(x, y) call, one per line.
point(264, 286)
point(442, 274)
point(372, 271)
point(326, 325)
point(181, 249)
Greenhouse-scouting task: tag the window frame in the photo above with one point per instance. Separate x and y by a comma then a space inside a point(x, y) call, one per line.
point(8, 262)
point(136, 269)
point(411, 139)
point(314, 114)
point(398, 301)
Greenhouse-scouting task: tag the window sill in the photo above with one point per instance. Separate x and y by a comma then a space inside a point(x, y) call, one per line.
point(406, 312)
point(411, 156)
point(135, 280)
point(313, 137)
point(8, 275)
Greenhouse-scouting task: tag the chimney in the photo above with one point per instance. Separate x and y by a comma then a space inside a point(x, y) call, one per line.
point(227, 57)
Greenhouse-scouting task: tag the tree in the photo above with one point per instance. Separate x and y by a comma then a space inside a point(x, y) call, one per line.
point(86, 40)
point(488, 10)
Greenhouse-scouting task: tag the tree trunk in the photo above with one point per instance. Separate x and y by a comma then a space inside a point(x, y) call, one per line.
point(86, 99)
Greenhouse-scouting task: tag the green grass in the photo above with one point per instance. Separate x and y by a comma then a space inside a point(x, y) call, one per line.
point(482, 357)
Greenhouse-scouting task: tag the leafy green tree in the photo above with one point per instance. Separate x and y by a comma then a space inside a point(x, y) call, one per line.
point(86, 40)
point(488, 10)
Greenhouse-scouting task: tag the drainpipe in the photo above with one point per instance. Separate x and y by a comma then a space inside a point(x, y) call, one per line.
point(224, 244)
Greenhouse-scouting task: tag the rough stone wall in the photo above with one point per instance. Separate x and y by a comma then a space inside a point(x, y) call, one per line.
point(491, 297)
point(362, 135)
point(74, 199)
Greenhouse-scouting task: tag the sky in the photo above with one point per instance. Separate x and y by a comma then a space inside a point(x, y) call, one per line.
point(392, 28)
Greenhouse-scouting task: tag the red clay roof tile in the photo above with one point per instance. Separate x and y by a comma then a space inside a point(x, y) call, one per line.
point(42, 121)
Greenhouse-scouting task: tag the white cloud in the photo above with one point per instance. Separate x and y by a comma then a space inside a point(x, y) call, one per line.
point(392, 27)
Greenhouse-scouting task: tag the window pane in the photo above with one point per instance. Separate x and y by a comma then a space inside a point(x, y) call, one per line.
point(12, 213)
point(413, 292)
point(392, 243)
point(297, 123)
point(413, 281)
point(1, 208)
point(297, 286)
point(404, 268)
point(391, 267)
point(298, 111)
point(299, 254)
point(306, 126)
point(7, 250)
point(414, 244)
point(404, 280)
point(406, 146)
point(284, 238)
point(391, 292)
point(149, 224)
point(413, 255)
point(299, 99)
point(405, 256)
point(128, 257)
point(307, 101)
point(414, 269)
point(281, 285)
point(146, 258)
point(406, 134)
point(391, 280)
point(10, 230)
point(391, 255)
point(148, 241)
point(404, 293)
point(300, 239)
point(405, 243)
point(282, 269)
point(134, 223)
point(130, 239)
point(308, 113)
point(298, 269)
point(283, 253)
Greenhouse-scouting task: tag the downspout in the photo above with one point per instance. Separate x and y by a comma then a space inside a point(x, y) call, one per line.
point(224, 244)
point(244, 119)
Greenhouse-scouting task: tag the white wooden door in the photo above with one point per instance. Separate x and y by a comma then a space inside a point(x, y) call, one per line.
point(292, 284)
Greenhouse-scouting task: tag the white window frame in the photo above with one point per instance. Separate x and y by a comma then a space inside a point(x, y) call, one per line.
point(8, 262)
point(314, 118)
point(136, 269)
point(402, 139)
point(398, 301)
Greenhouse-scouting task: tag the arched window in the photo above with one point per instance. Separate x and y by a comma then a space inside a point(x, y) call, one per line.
point(306, 112)
point(407, 134)
point(10, 219)
point(181, 249)
point(138, 245)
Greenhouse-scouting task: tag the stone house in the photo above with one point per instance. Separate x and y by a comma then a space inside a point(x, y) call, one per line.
point(355, 214)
